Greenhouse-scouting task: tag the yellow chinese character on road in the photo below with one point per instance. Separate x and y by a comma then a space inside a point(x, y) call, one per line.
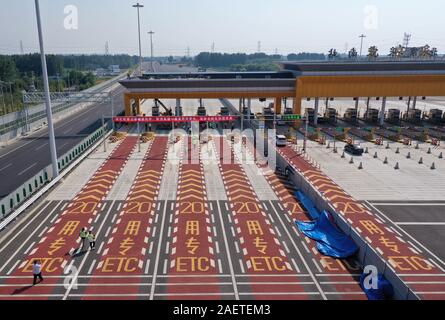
point(389, 244)
point(261, 245)
point(192, 245)
point(69, 228)
point(56, 245)
point(254, 228)
point(132, 228)
point(192, 228)
point(126, 245)
point(371, 227)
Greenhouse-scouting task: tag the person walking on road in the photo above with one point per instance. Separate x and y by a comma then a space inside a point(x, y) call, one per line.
point(83, 236)
point(37, 271)
point(92, 240)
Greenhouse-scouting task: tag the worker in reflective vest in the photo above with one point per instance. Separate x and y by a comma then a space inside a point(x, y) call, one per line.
point(83, 236)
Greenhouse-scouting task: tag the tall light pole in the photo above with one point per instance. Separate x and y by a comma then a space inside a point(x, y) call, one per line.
point(52, 140)
point(151, 33)
point(362, 36)
point(138, 6)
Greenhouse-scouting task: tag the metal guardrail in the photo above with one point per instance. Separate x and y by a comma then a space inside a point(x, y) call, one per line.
point(367, 255)
point(16, 198)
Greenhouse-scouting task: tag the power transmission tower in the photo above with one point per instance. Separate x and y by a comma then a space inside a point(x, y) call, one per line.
point(188, 52)
point(276, 51)
point(107, 48)
point(22, 51)
point(362, 36)
point(406, 40)
point(213, 47)
point(259, 46)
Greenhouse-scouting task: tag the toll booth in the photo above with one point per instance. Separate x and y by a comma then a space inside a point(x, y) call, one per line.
point(155, 111)
point(202, 111)
point(310, 115)
point(351, 115)
point(435, 116)
point(224, 111)
point(331, 115)
point(371, 115)
point(414, 115)
point(393, 116)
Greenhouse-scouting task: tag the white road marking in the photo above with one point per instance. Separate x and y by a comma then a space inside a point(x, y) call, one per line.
point(147, 266)
point(411, 237)
point(420, 223)
point(232, 274)
point(27, 169)
point(92, 266)
point(29, 236)
point(6, 167)
point(86, 256)
point(301, 256)
point(155, 274)
point(13, 267)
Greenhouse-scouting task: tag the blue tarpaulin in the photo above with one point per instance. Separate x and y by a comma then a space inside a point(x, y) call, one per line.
point(308, 205)
point(384, 290)
point(330, 241)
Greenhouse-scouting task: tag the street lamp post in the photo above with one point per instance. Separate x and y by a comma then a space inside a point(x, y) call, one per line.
point(52, 140)
point(151, 33)
point(138, 6)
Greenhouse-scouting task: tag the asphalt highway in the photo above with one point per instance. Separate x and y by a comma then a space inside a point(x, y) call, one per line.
point(25, 157)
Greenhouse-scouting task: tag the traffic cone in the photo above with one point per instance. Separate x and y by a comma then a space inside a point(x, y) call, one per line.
point(433, 166)
point(375, 155)
point(329, 145)
point(385, 161)
point(421, 160)
point(408, 156)
point(397, 166)
point(335, 150)
point(417, 146)
point(360, 167)
point(398, 150)
point(441, 156)
point(387, 145)
point(352, 160)
point(429, 151)
point(343, 155)
point(366, 150)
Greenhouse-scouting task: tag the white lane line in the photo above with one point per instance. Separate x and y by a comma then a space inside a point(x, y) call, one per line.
point(220, 267)
point(241, 266)
point(101, 247)
point(74, 281)
point(30, 167)
point(147, 266)
point(158, 253)
point(407, 204)
point(13, 267)
point(42, 232)
point(40, 147)
point(90, 270)
point(411, 237)
point(229, 257)
point(285, 246)
point(164, 271)
point(167, 247)
point(29, 248)
point(5, 167)
point(237, 247)
point(3, 247)
point(316, 264)
point(295, 265)
point(300, 255)
point(420, 223)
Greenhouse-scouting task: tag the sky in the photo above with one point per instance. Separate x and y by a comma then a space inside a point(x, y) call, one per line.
point(282, 26)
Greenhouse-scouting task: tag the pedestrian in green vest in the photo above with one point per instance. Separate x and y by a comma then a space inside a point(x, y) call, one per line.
point(83, 236)
point(92, 240)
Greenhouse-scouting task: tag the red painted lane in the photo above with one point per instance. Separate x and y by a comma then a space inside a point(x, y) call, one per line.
point(285, 191)
point(125, 253)
point(393, 249)
point(63, 237)
point(262, 251)
point(192, 251)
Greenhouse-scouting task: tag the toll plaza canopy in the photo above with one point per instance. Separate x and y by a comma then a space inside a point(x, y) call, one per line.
point(296, 80)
